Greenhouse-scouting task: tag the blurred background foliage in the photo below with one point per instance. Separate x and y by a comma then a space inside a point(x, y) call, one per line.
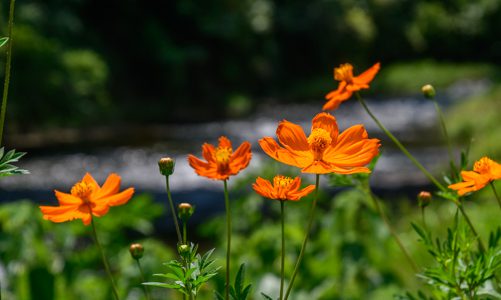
point(87, 62)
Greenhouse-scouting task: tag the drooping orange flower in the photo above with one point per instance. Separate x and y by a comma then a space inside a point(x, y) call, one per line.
point(348, 84)
point(283, 188)
point(87, 199)
point(324, 150)
point(484, 171)
point(222, 162)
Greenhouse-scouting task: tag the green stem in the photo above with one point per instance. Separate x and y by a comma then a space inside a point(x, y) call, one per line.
point(495, 193)
point(305, 241)
point(423, 217)
point(143, 279)
point(7, 69)
point(282, 259)
point(392, 231)
point(105, 261)
point(171, 204)
point(446, 135)
point(228, 239)
point(184, 233)
point(400, 146)
point(470, 224)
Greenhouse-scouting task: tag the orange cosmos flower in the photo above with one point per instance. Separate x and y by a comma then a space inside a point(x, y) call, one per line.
point(325, 150)
point(222, 162)
point(283, 188)
point(348, 84)
point(87, 198)
point(484, 171)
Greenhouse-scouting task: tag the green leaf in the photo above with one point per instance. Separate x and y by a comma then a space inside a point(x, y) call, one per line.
point(266, 296)
point(3, 41)
point(6, 160)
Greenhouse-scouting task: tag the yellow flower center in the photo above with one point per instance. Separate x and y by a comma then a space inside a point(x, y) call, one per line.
point(344, 73)
point(82, 190)
point(223, 155)
point(482, 166)
point(318, 140)
point(282, 181)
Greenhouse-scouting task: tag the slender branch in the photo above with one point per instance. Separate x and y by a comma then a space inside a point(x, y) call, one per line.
point(105, 261)
point(282, 259)
point(228, 239)
point(173, 211)
point(143, 279)
point(468, 221)
point(400, 146)
point(392, 231)
point(495, 193)
point(7, 70)
point(305, 241)
point(446, 135)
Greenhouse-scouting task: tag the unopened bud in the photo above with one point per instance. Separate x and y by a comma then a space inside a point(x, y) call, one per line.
point(166, 165)
point(186, 210)
point(428, 91)
point(183, 249)
point(424, 199)
point(136, 251)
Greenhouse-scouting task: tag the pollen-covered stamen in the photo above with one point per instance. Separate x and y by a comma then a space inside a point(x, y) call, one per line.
point(281, 184)
point(483, 166)
point(82, 190)
point(319, 140)
point(223, 155)
point(344, 73)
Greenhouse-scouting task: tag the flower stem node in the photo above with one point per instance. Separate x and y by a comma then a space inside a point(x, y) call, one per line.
point(428, 91)
point(185, 211)
point(166, 165)
point(136, 250)
point(424, 199)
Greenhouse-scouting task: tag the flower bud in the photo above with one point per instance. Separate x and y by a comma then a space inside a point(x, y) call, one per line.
point(136, 250)
point(185, 211)
point(166, 165)
point(424, 199)
point(428, 91)
point(183, 249)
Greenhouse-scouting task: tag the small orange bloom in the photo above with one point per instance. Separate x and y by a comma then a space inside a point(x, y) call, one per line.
point(348, 84)
point(484, 171)
point(325, 150)
point(87, 198)
point(283, 188)
point(222, 162)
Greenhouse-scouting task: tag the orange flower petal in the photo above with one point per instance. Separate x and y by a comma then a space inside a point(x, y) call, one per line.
point(118, 199)
point(90, 180)
point(202, 168)
point(366, 77)
point(271, 147)
point(209, 152)
point(298, 194)
point(264, 188)
point(240, 158)
point(292, 136)
point(67, 199)
point(224, 142)
point(110, 186)
point(60, 214)
point(328, 123)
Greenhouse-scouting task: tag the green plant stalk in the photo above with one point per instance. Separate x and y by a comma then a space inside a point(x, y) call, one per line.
point(282, 258)
point(446, 135)
point(228, 239)
point(495, 193)
point(105, 261)
point(423, 217)
point(173, 211)
point(392, 230)
point(468, 221)
point(7, 69)
point(305, 241)
point(185, 234)
point(399, 145)
point(143, 279)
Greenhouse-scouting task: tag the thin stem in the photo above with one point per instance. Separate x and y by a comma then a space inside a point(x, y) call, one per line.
point(7, 69)
point(105, 261)
point(184, 233)
point(282, 259)
point(143, 279)
point(468, 221)
point(228, 239)
point(392, 231)
point(423, 217)
point(446, 135)
point(305, 241)
point(400, 146)
point(495, 193)
point(171, 204)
